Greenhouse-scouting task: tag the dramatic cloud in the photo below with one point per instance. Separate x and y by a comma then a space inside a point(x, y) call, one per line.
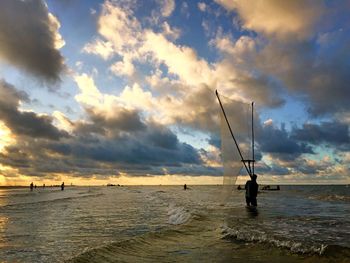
point(143, 87)
point(30, 39)
point(136, 153)
point(123, 119)
point(331, 133)
point(279, 143)
point(120, 27)
point(278, 18)
point(182, 61)
point(292, 49)
point(22, 122)
point(106, 143)
point(99, 146)
point(319, 75)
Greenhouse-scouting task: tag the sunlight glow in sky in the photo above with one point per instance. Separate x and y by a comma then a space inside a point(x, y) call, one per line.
point(123, 91)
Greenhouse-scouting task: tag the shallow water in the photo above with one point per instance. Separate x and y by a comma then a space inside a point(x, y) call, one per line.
point(168, 224)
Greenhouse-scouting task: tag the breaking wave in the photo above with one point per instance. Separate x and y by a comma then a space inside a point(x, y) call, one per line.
point(294, 246)
point(178, 215)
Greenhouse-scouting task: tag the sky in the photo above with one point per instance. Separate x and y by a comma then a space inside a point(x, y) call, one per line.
point(96, 92)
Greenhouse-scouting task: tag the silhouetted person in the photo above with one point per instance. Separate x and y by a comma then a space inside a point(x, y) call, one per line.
point(62, 186)
point(35, 186)
point(251, 191)
point(239, 187)
point(185, 186)
point(43, 185)
point(31, 186)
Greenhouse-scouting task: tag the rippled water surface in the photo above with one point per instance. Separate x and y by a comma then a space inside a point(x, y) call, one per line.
point(168, 224)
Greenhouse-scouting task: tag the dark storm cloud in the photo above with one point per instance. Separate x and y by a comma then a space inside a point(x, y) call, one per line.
point(279, 143)
point(162, 137)
point(137, 153)
point(10, 96)
point(122, 119)
point(215, 140)
point(27, 38)
point(301, 47)
point(332, 133)
point(155, 146)
point(304, 166)
point(321, 76)
point(85, 129)
point(15, 158)
point(273, 170)
point(314, 68)
point(261, 89)
point(24, 123)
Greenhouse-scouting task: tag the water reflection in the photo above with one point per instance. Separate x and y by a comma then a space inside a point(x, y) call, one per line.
point(3, 225)
point(252, 211)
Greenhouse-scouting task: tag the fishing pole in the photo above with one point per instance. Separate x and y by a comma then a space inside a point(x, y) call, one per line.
point(233, 137)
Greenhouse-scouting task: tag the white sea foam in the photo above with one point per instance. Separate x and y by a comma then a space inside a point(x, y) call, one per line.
point(177, 215)
point(261, 237)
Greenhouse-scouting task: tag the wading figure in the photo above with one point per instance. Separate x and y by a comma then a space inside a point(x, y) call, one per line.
point(251, 191)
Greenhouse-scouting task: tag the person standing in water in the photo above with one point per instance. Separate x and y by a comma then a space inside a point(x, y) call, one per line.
point(185, 186)
point(62, 186)
point(251, 191)
point(31, 186)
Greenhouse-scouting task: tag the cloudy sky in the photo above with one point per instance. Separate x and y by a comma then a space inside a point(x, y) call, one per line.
point(124, 91)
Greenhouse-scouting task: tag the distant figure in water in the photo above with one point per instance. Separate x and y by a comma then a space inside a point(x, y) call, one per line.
point(62, 186)
point(43, 185)
point(31, 186)
point(35, 186)
point(239, 187)
point(251, 191)
point(185, 186)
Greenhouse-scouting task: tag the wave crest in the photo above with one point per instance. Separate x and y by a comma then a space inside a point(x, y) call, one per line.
point(293, 246)
point(177, 215)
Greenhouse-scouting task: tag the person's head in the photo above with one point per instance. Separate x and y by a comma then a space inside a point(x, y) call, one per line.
point(254, 176)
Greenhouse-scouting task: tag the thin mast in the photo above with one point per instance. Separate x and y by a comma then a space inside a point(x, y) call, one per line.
point(233, 137)
point(253, 135)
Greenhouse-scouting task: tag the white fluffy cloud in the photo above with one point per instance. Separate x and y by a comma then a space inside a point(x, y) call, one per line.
point(124, 67)
point(173, 33)
point(99, 47)
point(131, 98)
point(167, 7)
point(180, 60)
point(186, 73)
point(202, 6)
point(120, 27)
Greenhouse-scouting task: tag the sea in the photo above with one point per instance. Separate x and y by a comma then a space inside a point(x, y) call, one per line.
point(170, 224)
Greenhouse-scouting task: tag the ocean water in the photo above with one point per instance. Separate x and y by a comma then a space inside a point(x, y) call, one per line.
point(168, 224)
